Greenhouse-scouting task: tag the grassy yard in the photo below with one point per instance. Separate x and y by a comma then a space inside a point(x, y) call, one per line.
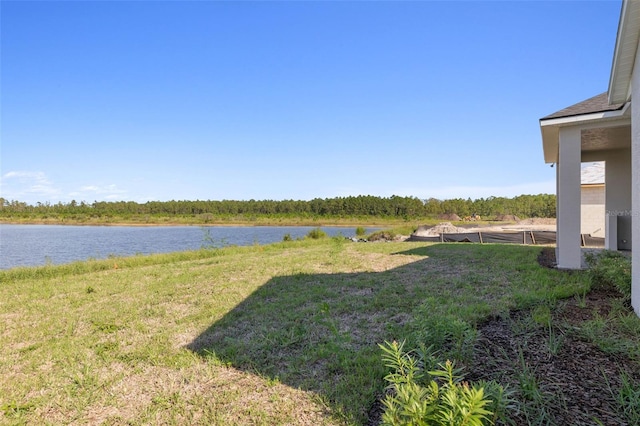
point(280, 334)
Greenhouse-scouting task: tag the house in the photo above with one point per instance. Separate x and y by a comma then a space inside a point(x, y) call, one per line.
point(605, 128)
point(592, 195)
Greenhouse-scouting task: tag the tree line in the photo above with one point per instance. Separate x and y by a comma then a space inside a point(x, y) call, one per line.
point(525, 206)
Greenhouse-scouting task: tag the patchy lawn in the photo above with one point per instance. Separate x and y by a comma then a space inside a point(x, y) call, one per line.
point(286, 333)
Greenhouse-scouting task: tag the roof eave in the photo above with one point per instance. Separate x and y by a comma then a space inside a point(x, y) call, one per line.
point(550, 143)
point(585, 118)
point(625, 52)
point(550, 128)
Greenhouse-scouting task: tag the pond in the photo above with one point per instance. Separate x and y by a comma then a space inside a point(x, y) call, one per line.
point(34, 245)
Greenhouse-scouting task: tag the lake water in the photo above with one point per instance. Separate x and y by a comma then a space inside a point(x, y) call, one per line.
point(33, 245)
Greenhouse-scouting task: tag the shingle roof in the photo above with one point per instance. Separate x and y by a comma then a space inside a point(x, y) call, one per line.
point(599, 103)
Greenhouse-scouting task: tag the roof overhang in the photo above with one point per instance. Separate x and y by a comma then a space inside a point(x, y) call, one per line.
point(625, 52)
point(550, 128)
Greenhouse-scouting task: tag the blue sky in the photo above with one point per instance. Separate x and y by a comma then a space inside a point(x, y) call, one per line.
point(155, 100)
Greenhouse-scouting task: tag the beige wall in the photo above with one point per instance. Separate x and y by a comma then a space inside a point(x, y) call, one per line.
point(592, 210)
point(617, 192)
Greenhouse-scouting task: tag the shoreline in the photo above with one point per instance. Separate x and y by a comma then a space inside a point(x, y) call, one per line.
point(202, 225)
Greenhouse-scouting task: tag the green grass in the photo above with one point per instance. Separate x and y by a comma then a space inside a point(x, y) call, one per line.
point(280, 334)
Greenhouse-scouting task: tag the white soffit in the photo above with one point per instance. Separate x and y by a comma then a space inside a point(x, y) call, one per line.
point(550, 128)
point(625, 52)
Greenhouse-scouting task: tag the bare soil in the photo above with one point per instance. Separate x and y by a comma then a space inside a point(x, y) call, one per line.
point(576, 383)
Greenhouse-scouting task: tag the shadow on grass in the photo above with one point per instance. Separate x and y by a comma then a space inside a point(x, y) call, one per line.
point(320, 332)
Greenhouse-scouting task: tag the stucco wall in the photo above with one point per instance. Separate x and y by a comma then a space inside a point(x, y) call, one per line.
point(592, 210)
point(617, 190)
point(635, 185)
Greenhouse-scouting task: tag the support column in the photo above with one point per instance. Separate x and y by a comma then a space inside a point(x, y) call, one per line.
point(568, 251)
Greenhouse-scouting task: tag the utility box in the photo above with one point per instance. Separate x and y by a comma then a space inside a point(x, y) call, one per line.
point(624, 233)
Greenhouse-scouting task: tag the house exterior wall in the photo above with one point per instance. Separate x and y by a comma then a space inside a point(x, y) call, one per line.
point(635, 185)
point(592, 211)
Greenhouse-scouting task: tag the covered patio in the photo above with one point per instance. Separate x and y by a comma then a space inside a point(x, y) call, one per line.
point(605, 127)
point(592, 130)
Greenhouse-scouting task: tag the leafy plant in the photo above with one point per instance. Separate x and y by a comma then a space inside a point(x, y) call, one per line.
point(360, 231)
point(421, 397)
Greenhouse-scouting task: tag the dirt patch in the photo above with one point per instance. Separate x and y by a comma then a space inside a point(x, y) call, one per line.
point(533, 224)
point(547, 257)
point(435, 231)
point(571, 378)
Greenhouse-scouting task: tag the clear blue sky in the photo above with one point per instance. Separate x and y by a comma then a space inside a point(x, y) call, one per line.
point(151, 100)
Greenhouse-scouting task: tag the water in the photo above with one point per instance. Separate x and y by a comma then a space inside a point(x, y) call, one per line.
point(34, 245)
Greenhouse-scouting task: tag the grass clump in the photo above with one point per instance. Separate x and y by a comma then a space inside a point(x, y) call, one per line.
point(316, 234)
point(453, 336)
point(628, 399)
point(610, 270)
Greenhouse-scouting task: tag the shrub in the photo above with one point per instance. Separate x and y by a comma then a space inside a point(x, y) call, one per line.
point(382, 235)
point(421, 397)
point(610, 269)
point(360, 231)
point(316, 234)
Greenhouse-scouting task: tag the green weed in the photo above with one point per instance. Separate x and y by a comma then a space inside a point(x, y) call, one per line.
point(534, 400)
point(628, 399)
point(429, 397)
point(14, 409)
